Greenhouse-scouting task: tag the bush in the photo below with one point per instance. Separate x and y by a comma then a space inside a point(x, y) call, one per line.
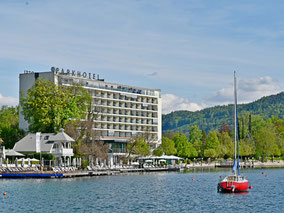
point(84, 164)
point(189, 161)
point(45, 156)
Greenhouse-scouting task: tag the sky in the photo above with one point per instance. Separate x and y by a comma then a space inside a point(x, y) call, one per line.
point(187, 48)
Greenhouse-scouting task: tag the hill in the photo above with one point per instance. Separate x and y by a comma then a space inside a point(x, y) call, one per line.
point(213, 118)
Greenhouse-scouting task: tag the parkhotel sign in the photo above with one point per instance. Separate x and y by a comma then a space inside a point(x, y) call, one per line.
point(69, 72)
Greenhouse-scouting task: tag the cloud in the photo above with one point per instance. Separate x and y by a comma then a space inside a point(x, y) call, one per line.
point(8, 100)
point(248, 90)
point(173, 103)
point(153, 74)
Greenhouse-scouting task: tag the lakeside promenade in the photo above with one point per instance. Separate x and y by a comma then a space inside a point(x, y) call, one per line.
point(71, 173)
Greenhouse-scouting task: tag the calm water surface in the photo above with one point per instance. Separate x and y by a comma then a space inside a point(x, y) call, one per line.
point(159, 192)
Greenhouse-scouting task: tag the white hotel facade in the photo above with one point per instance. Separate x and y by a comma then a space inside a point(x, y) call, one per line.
point(125, 111)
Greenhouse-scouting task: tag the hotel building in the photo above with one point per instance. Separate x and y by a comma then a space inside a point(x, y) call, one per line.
point(124, 111)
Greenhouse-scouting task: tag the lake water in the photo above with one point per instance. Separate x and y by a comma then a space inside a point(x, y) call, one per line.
point(155, 192)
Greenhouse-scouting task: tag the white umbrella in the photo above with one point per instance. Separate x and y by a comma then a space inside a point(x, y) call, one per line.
point(23, 162)
point(3, 152)
point(13, 153)
point(80, 162)
point(74, 161)
point(34, 160)
point(60, 162)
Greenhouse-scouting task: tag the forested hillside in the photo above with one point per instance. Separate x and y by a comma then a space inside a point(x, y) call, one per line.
point(214, 117)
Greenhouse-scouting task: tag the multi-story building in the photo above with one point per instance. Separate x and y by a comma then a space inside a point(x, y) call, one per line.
point(123, 111)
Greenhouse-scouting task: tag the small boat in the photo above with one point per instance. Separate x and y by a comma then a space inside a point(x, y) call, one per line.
point(235, 182)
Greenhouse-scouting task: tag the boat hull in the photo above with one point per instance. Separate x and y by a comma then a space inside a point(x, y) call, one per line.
point(233, 186)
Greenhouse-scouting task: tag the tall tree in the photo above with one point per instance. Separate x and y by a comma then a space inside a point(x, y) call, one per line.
point(265, 141)
point(138, 146)
point(195, 136)
point(48, 107)
point(212, 145)
point(86, 137)
point(167, 147)
point(212, 141)
point(279, 126)
point(226, 147)
point(246, 148)
point(184, 148)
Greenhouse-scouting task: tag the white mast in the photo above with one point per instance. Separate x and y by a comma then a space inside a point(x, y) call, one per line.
point(235, 100)
point(235, 115)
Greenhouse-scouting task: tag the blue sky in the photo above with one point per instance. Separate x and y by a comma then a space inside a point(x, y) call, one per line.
point(187, 48)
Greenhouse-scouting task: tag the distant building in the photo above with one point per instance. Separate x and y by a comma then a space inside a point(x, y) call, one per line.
point(57, 144)
point(126, 111)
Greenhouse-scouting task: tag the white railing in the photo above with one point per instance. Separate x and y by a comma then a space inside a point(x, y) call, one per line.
point(63, 152)
point(67, 151)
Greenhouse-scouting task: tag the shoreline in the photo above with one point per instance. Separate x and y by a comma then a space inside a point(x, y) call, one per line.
point(109, 172)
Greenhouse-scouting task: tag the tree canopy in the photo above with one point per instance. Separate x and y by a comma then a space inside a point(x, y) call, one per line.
point(184, 148)
point(48, 107)
point(138, 146)
point(167, 147)
point(9, 126)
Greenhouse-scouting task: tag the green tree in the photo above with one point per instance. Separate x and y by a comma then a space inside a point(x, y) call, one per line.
point(184, 148)
point(212, 141)
point(203, 141)
point(265, 141)
point(226, 147)
point(48, 107)
point(10, 136)
point(212, 144)
point(195, 136)
point(257, 124)
point(246, 148)
point(279, 126)
point(167, 147)
point(9, 126)
point(9, 116)
point(210, 153)
point(138, 146)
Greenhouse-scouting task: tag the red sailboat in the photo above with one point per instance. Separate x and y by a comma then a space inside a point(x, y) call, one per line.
point(234, 182)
